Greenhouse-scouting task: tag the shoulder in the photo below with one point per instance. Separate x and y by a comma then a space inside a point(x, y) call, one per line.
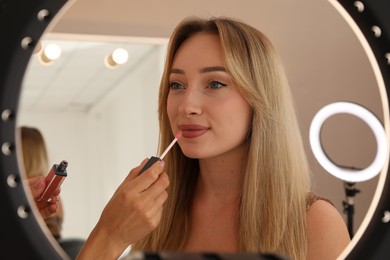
point(313, 197)
point(327, 233)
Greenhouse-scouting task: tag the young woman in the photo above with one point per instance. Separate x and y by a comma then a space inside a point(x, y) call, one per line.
point(35, 162)
point(238, 181)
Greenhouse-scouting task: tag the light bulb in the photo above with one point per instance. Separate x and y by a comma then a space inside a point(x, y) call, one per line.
point(118, 57)
point(50, 53)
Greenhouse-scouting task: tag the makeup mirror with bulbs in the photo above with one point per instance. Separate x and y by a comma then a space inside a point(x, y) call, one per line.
point(325, 61)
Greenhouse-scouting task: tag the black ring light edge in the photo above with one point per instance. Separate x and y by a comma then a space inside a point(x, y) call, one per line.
point(21, 238)
point(374, 242)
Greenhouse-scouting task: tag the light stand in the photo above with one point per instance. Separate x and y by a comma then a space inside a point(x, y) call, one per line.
point(350, 175)
point(349, 204)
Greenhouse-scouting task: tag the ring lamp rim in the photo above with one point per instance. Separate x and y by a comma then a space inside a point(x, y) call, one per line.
point(366, 116)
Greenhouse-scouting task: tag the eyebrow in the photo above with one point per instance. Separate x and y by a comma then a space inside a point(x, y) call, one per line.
point(202, 70)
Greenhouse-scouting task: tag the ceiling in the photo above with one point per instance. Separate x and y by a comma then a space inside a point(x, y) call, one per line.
point(79, 79)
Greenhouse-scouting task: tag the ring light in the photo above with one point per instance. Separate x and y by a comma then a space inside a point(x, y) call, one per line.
point(380, 136)
point(23, 22)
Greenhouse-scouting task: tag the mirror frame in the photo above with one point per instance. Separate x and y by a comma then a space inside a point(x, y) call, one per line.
point(20, 231)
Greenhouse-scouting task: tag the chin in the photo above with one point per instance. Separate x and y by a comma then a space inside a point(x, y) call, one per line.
point(197, 154)
point(193, 154)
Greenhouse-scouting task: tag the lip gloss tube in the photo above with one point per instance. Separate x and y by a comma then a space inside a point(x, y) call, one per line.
point(54, 180)
point(154, 159)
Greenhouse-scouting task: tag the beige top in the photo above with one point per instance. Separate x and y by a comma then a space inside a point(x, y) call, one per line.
point(313, 197)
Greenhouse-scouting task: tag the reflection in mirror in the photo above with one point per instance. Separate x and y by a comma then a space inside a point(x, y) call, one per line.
point(104, 120)
point(94, 117)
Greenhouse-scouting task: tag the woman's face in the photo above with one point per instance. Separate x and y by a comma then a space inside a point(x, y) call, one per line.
point(204, 102)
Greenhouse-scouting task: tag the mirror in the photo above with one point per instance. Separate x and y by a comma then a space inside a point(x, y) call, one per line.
point(327, 52)
point(94, 117)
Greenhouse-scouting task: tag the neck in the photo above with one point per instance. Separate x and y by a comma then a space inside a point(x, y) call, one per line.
point(221, 177)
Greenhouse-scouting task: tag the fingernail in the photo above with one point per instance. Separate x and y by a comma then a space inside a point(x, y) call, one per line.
point(162, 163)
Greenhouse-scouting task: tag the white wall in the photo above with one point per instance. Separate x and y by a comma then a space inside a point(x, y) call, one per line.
point(102, 144)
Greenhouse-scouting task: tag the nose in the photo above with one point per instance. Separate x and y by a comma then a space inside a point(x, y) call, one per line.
point(190, 103)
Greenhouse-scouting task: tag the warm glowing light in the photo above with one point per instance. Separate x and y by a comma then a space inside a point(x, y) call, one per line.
point(50, 53)
point(347, 174)
point(118, 57)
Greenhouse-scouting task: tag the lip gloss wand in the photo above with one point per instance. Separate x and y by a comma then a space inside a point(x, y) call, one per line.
point(154, 159)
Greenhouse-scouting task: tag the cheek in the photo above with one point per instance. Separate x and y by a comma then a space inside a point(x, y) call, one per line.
point(241, 116)
point(248, 115)
point(171, 108)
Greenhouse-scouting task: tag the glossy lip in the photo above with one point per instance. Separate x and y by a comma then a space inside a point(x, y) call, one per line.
point(192, 130)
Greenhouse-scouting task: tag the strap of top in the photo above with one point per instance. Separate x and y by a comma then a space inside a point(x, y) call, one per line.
point(313, 197)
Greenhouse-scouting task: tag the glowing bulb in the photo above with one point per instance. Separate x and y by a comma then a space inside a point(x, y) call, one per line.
point(50, 53)
point(118, 57)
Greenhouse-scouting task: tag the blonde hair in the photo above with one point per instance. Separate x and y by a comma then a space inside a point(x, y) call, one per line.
point(35, 160)
point(272, 210)
point(34, 152)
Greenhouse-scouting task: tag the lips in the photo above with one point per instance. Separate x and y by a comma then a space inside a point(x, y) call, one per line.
point(193, 131)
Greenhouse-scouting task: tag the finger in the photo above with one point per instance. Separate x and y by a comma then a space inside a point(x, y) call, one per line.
point(152, 210)
point(134, 172)
point(157, 216)
point(49, 210)
point(53, 207)
point(147, 178)
point(46, 209)
point(161, 198)
point(158, 187)
point(155, 196)
point(37, 186)
point(54, 199)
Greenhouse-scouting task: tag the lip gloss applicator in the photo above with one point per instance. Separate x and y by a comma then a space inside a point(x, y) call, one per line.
point(154, 159)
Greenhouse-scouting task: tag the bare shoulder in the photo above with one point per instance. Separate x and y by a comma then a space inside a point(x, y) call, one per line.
point(326, 231)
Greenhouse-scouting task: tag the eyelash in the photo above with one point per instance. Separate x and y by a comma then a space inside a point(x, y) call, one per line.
point(175, 85)
point(220, 84)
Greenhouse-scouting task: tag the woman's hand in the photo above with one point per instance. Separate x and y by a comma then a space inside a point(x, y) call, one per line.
point(133, 212)
point(46, 208)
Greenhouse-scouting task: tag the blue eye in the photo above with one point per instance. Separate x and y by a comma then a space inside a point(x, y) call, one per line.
point(216, 85)
point(175, 85)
